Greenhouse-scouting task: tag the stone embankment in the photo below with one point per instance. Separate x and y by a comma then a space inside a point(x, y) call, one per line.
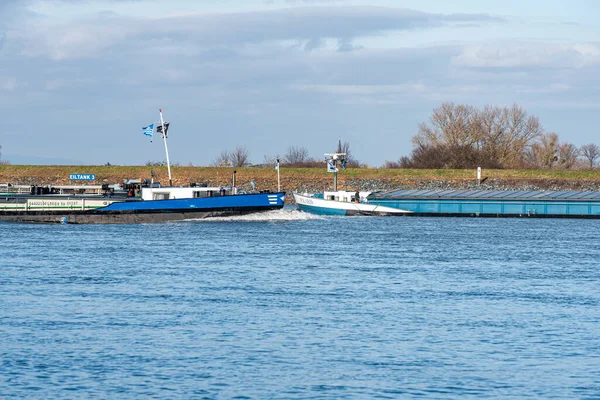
point(303, 180)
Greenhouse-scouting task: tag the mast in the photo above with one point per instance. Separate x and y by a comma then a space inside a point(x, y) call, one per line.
point(334, 176)
point(164, 136)
point(278, 179)
point(332, 159)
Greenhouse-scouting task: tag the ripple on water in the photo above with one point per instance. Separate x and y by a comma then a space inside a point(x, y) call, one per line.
point(288, 305)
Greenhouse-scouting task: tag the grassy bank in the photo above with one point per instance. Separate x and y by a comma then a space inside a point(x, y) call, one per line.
point(8, 172)
point(312, 179)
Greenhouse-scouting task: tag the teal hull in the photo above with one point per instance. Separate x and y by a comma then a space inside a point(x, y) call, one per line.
point(320, 210)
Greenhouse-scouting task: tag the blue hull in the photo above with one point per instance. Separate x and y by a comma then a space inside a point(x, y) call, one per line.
point(143, 211)
point(218, 203)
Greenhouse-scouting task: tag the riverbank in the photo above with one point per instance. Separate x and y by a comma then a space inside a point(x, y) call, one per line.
point(315, 179)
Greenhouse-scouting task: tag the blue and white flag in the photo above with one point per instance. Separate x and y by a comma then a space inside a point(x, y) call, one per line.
point(331, 166)
point(148, 130)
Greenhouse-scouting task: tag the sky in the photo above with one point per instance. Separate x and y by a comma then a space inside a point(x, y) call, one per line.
point(79, 78)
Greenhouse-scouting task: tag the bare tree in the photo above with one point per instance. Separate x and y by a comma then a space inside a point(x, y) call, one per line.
point(453, 138)
point(393, 164)
point(270, 160)
point(518, 133)
point(345, 148)
point(568, 154)
point(591, 153)
point(464, 136)
point(549, 152)
point(450, 124)
point(239, 157)
point(296, 155)
point(544, 152)
point(222, 160)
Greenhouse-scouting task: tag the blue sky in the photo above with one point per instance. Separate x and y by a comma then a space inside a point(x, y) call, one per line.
point(78, 79)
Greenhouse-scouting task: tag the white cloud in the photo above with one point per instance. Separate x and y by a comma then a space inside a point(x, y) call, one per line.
point(362, 89)
point(65, 83)
point(84, 39)
point(516, 55)
point(95, 35)
point(8, 84)
point(545, 89)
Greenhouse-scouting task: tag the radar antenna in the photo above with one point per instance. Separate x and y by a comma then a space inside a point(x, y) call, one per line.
point(332, 159)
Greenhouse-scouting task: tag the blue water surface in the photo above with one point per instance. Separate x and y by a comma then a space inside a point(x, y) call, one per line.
point(289, 306)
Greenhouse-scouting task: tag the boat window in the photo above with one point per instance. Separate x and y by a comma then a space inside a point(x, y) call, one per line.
point(161, 196)
point(197, 193)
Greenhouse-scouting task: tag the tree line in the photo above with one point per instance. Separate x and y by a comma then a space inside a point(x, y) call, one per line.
point(459, 136)
point(295, 157)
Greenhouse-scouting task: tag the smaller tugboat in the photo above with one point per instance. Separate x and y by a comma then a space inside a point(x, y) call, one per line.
point(341, 202)
point(132, 201)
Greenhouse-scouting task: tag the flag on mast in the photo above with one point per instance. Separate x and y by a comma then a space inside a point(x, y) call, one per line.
point(148, 130)
point(159, 129)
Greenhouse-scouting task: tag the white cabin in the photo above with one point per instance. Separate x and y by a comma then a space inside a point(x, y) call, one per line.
point(345, 196)
point(172, 193)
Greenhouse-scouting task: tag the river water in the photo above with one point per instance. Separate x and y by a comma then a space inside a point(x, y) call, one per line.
point(292, 306)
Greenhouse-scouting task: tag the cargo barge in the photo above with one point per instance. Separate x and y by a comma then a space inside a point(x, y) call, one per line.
point(490, 203)
point(131, 202)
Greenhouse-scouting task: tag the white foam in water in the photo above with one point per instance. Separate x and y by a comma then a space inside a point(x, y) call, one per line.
point(267, 216)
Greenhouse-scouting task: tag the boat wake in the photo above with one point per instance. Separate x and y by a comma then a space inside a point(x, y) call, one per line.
point(267, 216)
